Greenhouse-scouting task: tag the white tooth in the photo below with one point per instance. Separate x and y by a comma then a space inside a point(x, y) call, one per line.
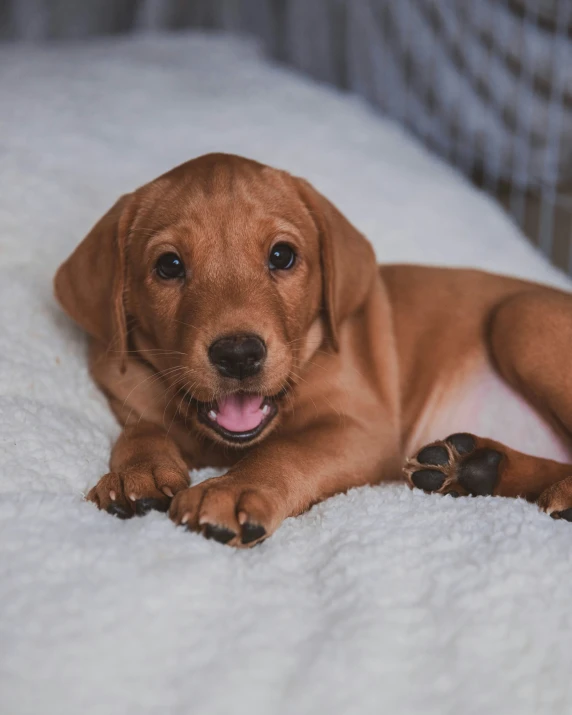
point(212, 415)
point(265, 409)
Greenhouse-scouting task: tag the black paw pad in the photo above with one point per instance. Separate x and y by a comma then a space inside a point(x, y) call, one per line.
point(252, 532)
point(219, 533)
point(119, 511)
point(144, 506)
point(478, 472)
point(566, 514)
point(462, 442)
point(428, 479)
point(433, 455)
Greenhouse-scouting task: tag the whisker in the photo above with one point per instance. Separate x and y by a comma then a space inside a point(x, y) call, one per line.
point(177, 390)
point(299, 377)
point(174, 412)
point(351, 367)
point(189, 325)
point(166, 391)
point(187, 391)
point(150, 350)
point(186, 387)
point(142, 415)
point(154, 376)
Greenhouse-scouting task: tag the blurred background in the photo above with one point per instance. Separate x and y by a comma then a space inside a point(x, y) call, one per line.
point(485, 84)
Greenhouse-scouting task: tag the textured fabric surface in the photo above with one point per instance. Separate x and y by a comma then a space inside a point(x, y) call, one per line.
point(381, 600)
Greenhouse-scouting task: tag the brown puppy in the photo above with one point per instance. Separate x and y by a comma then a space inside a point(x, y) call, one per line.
point(237, 319)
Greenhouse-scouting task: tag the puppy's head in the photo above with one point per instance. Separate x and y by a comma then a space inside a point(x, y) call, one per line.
point(226, 276)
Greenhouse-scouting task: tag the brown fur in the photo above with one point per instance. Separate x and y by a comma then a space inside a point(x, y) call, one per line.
point(354, 352)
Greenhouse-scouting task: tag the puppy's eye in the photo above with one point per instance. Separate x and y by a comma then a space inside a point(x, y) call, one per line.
point(282, 257)
point(170, 266)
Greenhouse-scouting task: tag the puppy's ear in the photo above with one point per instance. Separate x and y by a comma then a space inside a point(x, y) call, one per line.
point(90, 284)
point(348, 260)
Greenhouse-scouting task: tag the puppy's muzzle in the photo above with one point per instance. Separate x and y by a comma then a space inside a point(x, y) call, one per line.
point(238, 356)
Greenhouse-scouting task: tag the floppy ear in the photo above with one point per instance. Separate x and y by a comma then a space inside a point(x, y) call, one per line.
point(90, 284)
point(348, 260)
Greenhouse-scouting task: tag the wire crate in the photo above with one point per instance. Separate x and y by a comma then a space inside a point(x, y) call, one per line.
point(486, 84)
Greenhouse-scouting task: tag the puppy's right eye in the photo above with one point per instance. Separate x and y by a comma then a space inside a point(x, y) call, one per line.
point(170, 266)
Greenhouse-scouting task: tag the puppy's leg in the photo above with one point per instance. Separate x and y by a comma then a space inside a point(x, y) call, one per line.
point(531, 343)
point(147, 470)
point(464, 464)
point(284, 477)
point(530, 340)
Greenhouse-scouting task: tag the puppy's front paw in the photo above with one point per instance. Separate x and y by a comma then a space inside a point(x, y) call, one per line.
point(138, 490)
point(556, 501)
point(229, 510)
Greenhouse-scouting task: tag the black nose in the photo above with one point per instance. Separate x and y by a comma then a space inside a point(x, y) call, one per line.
point(238, 356)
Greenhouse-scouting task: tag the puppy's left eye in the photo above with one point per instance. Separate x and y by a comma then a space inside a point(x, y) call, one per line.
point(170, 266)
point(282, 257)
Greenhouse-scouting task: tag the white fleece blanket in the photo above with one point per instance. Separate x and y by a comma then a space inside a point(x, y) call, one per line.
point(379, 601)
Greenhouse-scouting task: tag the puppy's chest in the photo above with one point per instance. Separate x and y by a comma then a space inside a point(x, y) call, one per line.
point(479, 401)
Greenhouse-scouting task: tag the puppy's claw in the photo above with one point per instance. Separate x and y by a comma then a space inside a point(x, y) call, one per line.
point(118, 511)
point(252, 532)
point(219, 533)
point(144, 506)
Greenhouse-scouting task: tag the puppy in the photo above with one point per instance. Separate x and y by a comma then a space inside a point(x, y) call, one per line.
point(237, 319)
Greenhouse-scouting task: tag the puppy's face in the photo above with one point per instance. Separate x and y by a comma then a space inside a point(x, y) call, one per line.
point(226, 276)
point(223, 285)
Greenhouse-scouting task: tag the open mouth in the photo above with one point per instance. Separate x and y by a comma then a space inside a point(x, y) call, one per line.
point(239, 417)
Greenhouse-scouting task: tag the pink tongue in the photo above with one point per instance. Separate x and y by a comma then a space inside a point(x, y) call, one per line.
point(240, 413)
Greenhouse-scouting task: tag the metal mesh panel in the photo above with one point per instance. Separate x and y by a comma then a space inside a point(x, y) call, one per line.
point(487, 84)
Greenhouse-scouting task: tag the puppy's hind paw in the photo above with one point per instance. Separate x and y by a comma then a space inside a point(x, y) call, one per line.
point(460, 465)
